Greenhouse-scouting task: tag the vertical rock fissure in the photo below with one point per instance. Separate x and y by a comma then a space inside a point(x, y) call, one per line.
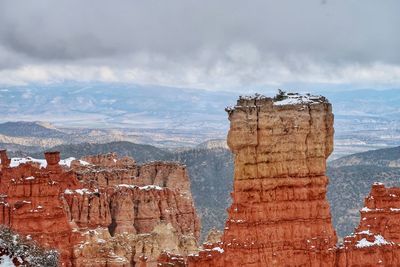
point(258, 143)
point(307, 137)
point(258, 136)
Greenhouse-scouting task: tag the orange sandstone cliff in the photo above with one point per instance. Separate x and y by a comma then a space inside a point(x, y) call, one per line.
point(100, 211)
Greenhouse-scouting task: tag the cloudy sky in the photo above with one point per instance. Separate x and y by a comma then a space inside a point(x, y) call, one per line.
point(201, 44)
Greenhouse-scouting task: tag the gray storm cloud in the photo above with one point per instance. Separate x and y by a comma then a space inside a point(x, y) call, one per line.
point(227, 42)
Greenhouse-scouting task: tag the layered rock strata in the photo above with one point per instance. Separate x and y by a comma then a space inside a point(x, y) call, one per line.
point(142, 196)
point(101, 211)
point(376, 241)
point(279, 215)
point(31, 204)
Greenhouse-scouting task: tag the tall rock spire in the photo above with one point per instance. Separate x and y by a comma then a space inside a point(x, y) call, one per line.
point(279, 214)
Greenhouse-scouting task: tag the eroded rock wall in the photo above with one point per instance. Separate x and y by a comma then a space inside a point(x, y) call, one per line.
point(101, 211)
point(376, 241)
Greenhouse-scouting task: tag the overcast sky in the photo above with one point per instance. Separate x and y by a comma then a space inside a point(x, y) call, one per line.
point(218, 44)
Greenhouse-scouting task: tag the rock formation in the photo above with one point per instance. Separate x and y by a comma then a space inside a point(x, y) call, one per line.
point(279, 215)
point(108, 211)
point(376, 241)
point(31, 204)
point(102, 210)
point(142, 196)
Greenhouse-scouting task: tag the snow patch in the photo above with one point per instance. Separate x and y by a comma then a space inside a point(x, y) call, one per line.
point(220, 250)
point(146, 187)
point(295, 99)
point(15, 162)
point(149, 187)
point(366, 232)
point(81, 191)
point(6, 261)
point(379, 241)
point(252, 97)
point(366, 209)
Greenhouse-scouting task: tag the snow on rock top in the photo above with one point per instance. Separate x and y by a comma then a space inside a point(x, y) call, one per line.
point(253, 97)
point(15, 162)
point(296, 98)
point(281, 99)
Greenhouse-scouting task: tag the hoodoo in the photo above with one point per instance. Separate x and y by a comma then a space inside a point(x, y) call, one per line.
point(279, 215)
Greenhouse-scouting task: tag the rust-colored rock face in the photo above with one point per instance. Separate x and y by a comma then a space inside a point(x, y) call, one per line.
point(279, 215)
point(376, 241)
point(5, 161)
point(142, 196)
point(103, 211)
point(31, 205)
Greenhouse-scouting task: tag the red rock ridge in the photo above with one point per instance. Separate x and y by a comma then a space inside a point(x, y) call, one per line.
point(147, 194)
point(104, 211)
point(31, 204)
point(376, 241)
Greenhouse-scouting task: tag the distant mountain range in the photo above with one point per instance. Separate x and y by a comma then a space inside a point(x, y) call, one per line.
point(30, 129)
point(387, 157)
point(175, 117)
point(141, 153)
point(45, 135)
point(116, 105)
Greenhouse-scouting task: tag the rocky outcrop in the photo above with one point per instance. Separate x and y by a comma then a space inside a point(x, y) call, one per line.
point(31, 204)
point(376, 241)
point(100, 210)
point(279, 215)
point(142, 196)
